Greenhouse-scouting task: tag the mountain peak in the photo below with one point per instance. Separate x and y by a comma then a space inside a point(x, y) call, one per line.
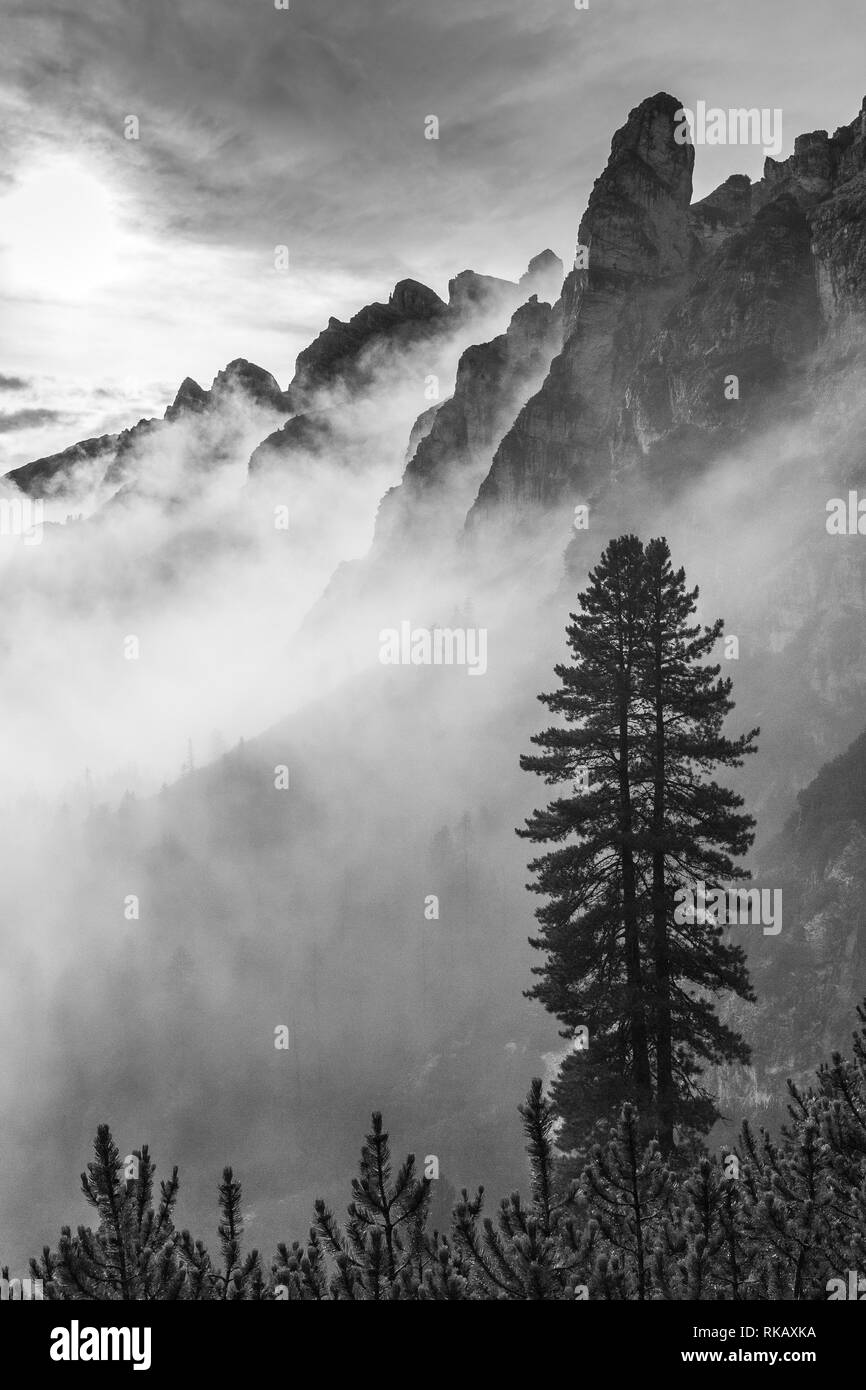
point(255, 381)
point(543, 261)
point(469, 291)
point(415, 300)
point(190, 397)
point(334, 358)
point(635, 221)
point(543, 276)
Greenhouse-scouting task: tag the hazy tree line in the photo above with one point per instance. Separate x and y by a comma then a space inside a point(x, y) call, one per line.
point(772, 1219)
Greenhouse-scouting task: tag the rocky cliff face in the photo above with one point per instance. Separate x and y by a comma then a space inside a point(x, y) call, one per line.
point(675, 300)
point(782, 275)
point(635, 253)
point(455, 444)
point(751, 313)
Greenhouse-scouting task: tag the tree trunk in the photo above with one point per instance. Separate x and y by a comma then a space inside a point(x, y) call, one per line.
point(661, 953)
point(637, 1017)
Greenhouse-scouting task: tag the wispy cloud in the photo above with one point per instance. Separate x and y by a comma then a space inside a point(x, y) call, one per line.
point(11, 420)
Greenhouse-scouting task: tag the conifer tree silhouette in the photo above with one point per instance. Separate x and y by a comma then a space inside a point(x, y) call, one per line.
point(640, 737)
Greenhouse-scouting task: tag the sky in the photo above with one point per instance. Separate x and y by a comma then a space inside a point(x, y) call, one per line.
point(127, 264)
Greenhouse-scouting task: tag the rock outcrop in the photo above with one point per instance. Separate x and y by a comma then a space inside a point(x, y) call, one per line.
point(689, 326)
point(345, 356)
point(543, 277)
point(258, 386)
point(190, 399)
point(446, 468)
point(636, 252)
point(471, 293)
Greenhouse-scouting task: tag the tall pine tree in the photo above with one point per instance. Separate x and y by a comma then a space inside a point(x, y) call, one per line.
point(590, 925)
point(642, 735)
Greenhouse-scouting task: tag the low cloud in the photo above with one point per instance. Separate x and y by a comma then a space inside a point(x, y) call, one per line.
point(28, 419)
